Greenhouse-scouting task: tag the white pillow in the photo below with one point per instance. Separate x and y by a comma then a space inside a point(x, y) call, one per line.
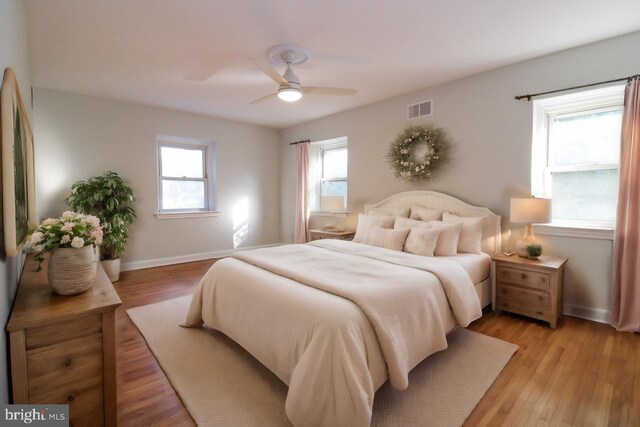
point(366, 222)
point(421, 241)
point(471, 234)
point(447, 244)
point(403, 212)
point(384, 238)
point(401, 222)
point(425, 214)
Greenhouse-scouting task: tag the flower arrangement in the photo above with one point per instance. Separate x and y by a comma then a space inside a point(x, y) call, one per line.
point(401, 152)
point(71, 230)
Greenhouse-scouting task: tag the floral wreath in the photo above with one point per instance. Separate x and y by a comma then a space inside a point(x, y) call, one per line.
point(401, 159)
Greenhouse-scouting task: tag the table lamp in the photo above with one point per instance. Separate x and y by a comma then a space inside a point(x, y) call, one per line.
point(529, 211)
point(332, 204)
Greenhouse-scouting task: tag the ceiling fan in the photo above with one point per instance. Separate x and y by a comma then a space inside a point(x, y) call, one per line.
point(289, 89)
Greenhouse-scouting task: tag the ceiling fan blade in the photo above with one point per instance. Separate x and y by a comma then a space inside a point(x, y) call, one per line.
point(266, 68)
point(336, 91)
point(265, 98)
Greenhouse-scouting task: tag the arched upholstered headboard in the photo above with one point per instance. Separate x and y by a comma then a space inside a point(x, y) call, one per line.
point(491, 231)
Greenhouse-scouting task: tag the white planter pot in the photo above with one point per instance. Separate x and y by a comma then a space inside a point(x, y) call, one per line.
point(112, 268)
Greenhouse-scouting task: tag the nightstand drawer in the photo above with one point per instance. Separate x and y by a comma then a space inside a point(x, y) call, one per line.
point(528, 278)
point(525, 308)
point(529, 296)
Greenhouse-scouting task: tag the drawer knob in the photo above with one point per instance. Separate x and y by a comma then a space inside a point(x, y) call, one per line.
point(71, 397)
point(523, 276)
point(67, 361)
point(539, 312)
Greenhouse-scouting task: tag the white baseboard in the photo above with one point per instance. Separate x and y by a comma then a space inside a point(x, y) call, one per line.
point(599, 315)
point(157, 262)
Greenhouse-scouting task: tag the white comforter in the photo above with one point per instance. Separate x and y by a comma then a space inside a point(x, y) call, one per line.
point(365, 313)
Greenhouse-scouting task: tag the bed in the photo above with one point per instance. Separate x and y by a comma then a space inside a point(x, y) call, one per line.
point(335, 320)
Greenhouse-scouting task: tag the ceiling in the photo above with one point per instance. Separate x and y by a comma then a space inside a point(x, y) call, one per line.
point(193, 55)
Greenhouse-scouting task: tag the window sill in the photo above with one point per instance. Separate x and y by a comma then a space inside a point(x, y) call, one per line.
point(569, 231)
point(183, 215)
point(339, 214)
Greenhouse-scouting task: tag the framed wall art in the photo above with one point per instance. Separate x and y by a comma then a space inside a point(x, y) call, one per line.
point(18, 176)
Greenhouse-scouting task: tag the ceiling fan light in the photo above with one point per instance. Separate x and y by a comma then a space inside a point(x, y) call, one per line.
point(290, 94)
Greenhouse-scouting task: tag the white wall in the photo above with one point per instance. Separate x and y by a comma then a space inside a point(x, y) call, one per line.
point(13, 54)
point(80, 136)
point(491, 159)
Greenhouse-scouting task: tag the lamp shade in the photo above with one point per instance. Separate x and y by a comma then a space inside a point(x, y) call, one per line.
point(530, 211)
point(332, 203)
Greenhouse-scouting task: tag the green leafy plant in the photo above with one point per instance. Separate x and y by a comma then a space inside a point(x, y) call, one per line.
point(534, 250)
point(108, 197)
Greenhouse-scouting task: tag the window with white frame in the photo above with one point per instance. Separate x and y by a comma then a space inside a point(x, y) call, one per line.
point(334, 172)
point(576, 156)
point(185, 175)
point(328, 175)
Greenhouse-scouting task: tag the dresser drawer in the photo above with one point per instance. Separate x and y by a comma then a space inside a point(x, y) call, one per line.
point(516, 293)
point(63, 331)
point(526, 278)
point(60, 373)
point(522, 307)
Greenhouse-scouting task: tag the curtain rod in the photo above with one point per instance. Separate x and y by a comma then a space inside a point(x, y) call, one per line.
point(528, 97)
point(300, 142)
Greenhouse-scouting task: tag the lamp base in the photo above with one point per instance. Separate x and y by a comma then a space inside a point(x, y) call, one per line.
point(526, 240)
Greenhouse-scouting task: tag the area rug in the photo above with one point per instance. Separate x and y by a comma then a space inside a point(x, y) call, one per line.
point(223, 385)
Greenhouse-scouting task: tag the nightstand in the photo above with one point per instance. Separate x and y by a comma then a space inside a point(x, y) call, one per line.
point(532, 288)
point(324, 234)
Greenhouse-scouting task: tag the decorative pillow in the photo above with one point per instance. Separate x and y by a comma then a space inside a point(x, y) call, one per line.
point(425, 214)
point(403, 212)
point(471, 234)
point(421, 241)
point(447, 244)
point(401, 222)
point(385, 238)
point(367, 222)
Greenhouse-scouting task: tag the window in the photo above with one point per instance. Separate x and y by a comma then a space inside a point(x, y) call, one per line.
point(185, 178)
point(576, 156)
point(328, 176)
point(334, 173)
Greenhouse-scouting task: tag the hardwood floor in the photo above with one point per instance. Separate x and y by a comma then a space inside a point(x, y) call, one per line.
point(581, 374)
point(145, 397)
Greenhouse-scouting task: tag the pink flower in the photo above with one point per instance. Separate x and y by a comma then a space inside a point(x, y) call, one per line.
point(65, 239)
point(67, 227)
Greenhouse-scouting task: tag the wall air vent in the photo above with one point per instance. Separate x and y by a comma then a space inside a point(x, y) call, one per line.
point(421, 109)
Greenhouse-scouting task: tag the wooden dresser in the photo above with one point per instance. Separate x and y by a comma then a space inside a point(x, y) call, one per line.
point(533, 288)
point(63, 347)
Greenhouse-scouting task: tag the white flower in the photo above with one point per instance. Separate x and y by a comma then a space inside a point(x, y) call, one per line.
point(49, 221)
point(36, 238)
point(417, 169)
point(94, 221)
point(38, 248)
point(65, 239)
point(67, 227)
point(77, 242)
point(68, 215)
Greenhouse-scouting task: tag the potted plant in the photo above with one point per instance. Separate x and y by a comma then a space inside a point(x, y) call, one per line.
point(534, 250)
point(69, 240)
point(108, 197)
